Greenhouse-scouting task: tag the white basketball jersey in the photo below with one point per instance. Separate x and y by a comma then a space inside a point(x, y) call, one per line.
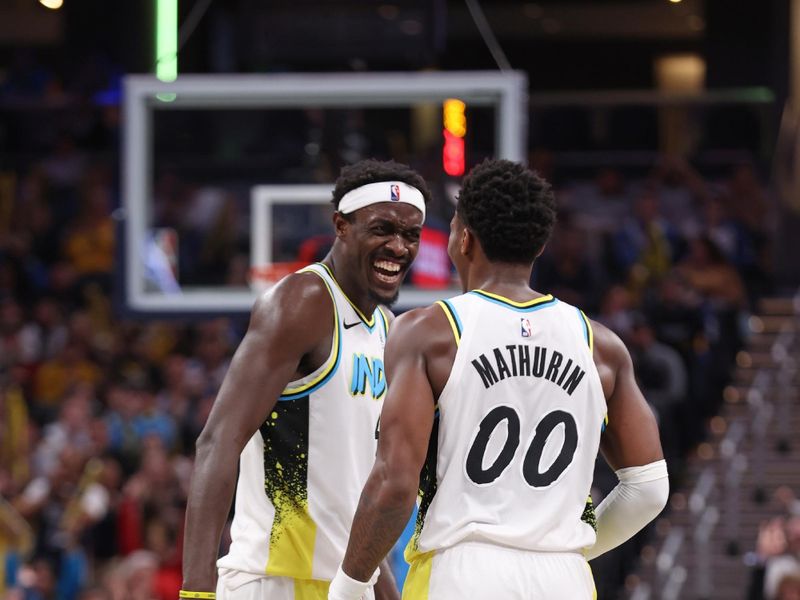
point(518, 427)
point(301, 474)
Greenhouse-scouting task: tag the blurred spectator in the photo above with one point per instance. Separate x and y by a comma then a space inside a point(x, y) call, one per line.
point(71, 430)
point(681, 192)
point(89, 243)
point(55, 377)
point(66, 164)
point(674, 309)
point(134, 417)
point(151, 516)
point(62, 505)
point(726, 233)
point(213, 346)
point(178, 390)
point(646, 246)
point(616, 310)
point(134, 577)
point(13, 346)
point(238, 273)
point(14, 438)
point(565, 269)
point(748, 202)
point(747, 209)
point(600, 205)
point(711, 275)
point(196, 420)
point(38, 580)
point(45, 335)
point(210, 234)
point(776, 575)
point(664, 382)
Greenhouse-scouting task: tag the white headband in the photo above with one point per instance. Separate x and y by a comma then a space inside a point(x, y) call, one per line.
point(382, 191)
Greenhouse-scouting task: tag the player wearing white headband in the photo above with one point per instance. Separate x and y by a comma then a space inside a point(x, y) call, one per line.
point(299, 406)
point(378, 214)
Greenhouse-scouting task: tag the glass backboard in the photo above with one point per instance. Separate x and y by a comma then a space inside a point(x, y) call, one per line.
point(228, 179)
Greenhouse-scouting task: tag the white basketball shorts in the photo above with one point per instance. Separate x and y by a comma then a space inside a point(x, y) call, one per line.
point(480, 571)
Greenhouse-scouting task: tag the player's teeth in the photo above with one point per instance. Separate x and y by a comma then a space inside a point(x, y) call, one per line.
point(388, 266)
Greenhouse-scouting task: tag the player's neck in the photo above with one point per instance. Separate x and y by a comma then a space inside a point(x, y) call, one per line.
point(505, 279)
point(357, 294)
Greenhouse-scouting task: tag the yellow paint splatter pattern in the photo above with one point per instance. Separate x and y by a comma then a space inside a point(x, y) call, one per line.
point(427, 490)
point(293, 534)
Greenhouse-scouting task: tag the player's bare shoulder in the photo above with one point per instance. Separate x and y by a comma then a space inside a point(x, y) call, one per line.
point(422, 328)
point(610, 356)
point(299, 305)
point(424, 335)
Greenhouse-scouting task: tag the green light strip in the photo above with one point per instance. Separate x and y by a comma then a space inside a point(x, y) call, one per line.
point(167, 40)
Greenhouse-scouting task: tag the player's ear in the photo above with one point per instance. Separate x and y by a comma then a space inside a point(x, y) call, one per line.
point(467, 241)
point(340, 224)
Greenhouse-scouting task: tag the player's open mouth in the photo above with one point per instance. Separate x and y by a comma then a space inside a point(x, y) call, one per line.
point(387, 271)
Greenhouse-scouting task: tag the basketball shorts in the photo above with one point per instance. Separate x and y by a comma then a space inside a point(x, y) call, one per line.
point(481, 571)
point(236, 585)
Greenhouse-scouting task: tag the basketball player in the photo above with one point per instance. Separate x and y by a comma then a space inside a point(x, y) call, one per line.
point(299, 406)
point(496, 405)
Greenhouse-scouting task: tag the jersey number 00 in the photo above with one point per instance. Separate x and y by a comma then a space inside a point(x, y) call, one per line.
point(533, 456)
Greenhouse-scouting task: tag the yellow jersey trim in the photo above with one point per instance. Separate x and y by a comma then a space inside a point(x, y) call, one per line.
point(589, 332)
point(507, 301)
point(452, 319)
point(385, 322)
point(371, 321)
point(333, 359)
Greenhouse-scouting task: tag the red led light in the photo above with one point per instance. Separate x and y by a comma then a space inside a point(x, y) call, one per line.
point(453, 154)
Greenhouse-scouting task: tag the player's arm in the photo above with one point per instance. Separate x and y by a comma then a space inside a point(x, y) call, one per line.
point(631, 446)
point(391, 489)
point(286, 324)
point(386, 586)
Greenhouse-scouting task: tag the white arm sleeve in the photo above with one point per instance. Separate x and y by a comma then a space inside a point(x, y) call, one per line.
point(636, 500)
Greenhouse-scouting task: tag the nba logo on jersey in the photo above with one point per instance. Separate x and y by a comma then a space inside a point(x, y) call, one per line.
point(394, 193)
point(525, 327)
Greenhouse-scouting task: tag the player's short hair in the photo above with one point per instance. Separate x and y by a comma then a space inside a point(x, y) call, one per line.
point(509, 208)
point(371, 171)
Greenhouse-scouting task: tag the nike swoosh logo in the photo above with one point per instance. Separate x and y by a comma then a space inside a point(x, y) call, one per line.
point(349, 325)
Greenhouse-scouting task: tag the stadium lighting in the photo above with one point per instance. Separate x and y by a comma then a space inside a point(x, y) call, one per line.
point(52, 4)
point(166, 44)
point(167, 40)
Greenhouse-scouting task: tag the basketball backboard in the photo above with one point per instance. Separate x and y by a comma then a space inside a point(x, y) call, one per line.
point(199, 151)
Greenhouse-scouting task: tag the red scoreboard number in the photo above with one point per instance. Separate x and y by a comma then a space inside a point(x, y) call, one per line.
point(455, 128)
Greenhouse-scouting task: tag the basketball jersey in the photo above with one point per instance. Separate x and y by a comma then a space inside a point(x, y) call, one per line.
point(302, 472)
point(516, 432)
